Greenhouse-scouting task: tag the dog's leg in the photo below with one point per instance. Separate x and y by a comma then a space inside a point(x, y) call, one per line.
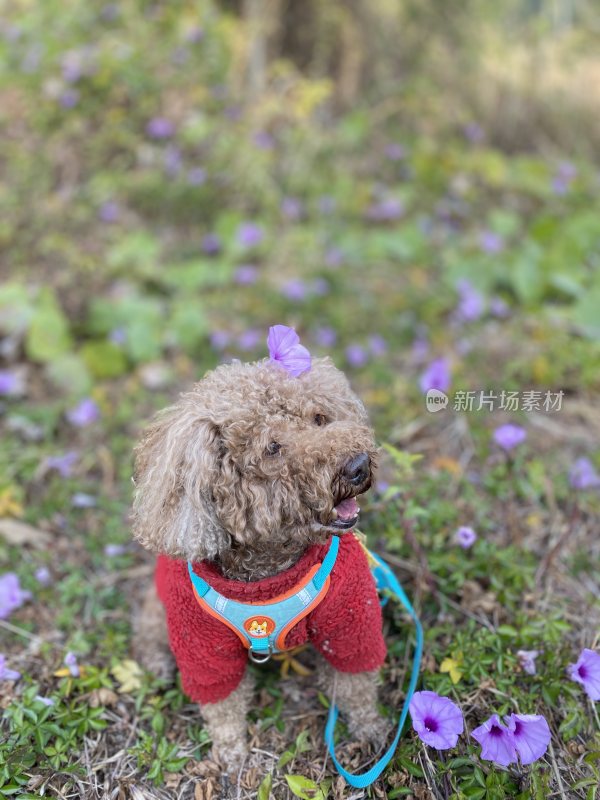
point(356, 697)
point(151, 640)
point(226, 724)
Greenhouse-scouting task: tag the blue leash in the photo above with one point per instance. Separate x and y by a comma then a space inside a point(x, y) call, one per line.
point(385, 579)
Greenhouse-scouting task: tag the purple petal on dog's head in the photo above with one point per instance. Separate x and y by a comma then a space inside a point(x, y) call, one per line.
point(531, 735)
point(285, 349)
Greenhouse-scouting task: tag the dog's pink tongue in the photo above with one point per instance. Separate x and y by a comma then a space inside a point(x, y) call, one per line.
point(347, 509)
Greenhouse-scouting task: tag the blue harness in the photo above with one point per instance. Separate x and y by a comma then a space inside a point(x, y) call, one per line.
point(262, 628)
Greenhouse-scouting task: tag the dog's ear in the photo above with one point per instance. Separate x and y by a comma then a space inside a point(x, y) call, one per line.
point(176, 462)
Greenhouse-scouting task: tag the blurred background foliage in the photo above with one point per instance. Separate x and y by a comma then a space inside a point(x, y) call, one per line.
point(379, 149)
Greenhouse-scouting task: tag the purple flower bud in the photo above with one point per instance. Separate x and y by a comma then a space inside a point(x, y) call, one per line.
point(394, 151)
point(71, 662)
point(196, 176)
point(387, 209)
point(263, 140)
point(509, 436)
point(378, 345)
point(109, 211)
point(356, 355)
point(7, 674)
point(42, 575)
point(436, 376)
point(249, 234)
point(246, 274)
point(527, 660)
point(473, 133)
point(69, 98)
point(160, 128)
point(84, 413)
point(211, 244)
point(334, 257)
point(291, 208)
point(12, 596)
point(465, 537)
point(62, 464)
point(220, 339)
point(10, 383)
point(249, 339)
point(295, 290)
point(471, 303)
point(583, 475)
point(112, 550)
point(491, 242)
point(83, 500)
point(325, 336)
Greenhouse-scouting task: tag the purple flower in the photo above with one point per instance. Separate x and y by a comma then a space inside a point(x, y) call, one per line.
point(497, 742)
point(160, 128)
point(394, 151)
point(71, 662)
point(83, 500)
point(385, 210)
point(118, 336)
point(196, 176)
point(112, 550)
point(69, 98)
point(437, 720)
point(473, 132)
point(377, 345)
point(62, 464)
point(246, 274)
point(509, 436)
point(195, 35)
point(42, 575)
point(285, 349)
point(9, 382)
point(436, 376)
point(109, 211)
point(172, 160)
point(531, 736)
point(291, 208)
point(491, 242)
point(295, 290)
point(471, 302)
point(249, 339)
point(7, 674)
point(320, 287)
point(564, 176)
point(499, 308)
point(263, 140)
point(326, 204)
point(583, 475)
point(249, 234)
point(356, 355)
point(211, 244)
point(220, 339)
point(47, 701)
point(420, 350)
point(12, 596)
point(325, 336)
point(84, 413)
point(586, 671)
point(527, 660)
point(334, 257)
point(465, 537)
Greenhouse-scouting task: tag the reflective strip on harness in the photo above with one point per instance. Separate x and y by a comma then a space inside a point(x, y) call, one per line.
point(263, 627)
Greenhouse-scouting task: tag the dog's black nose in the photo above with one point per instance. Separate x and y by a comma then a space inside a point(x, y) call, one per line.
point(356, 470)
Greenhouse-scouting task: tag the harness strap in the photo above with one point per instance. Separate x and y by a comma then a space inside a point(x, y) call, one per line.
point(385, 579)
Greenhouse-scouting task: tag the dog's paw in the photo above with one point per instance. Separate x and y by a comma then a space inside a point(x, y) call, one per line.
point(371, 729)
point(231, 757)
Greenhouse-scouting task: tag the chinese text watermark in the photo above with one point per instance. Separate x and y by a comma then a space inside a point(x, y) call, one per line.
point(484, 400)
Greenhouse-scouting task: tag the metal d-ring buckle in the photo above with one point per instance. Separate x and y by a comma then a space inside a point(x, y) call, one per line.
point(260, 656)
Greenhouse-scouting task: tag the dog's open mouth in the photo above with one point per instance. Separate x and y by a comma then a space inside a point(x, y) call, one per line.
point(345, 515)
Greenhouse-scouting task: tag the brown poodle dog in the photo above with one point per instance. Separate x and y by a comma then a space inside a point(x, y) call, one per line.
point(244, 474)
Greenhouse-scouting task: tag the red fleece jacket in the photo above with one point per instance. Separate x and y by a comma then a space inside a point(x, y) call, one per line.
point(345, 627)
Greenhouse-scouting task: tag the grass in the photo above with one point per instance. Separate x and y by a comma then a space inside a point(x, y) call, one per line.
point(110, 294)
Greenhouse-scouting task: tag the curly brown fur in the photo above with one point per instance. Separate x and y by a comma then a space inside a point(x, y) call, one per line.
point(207, 486)
point(246, 470)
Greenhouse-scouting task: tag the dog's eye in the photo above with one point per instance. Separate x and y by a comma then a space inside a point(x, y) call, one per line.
point(273, 448)
point(320, 419)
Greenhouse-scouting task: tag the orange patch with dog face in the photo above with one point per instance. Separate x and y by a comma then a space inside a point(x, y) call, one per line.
point(259, 626)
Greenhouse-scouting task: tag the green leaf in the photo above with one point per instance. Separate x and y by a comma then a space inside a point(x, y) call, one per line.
point(48, 336)
point(299, 786)
point(264, 790)
point(70, 373)
point(104, 359)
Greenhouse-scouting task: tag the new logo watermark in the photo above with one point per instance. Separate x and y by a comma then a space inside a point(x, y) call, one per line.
point(436, 400)
point(484, 400)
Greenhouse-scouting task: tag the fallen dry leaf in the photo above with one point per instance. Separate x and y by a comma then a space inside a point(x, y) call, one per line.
point(129, 674)
point(18, 533)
